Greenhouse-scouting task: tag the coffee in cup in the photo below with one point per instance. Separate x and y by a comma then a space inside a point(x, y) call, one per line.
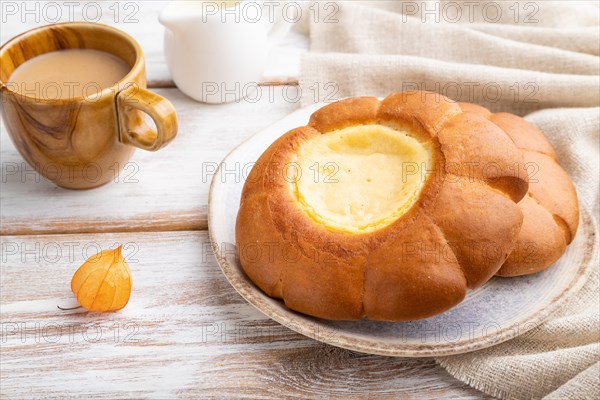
point(68, 73)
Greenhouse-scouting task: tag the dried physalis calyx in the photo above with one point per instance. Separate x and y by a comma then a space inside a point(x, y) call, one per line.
point(103, 282)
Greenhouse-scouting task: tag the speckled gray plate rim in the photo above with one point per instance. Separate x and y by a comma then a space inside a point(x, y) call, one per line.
point(500, 310)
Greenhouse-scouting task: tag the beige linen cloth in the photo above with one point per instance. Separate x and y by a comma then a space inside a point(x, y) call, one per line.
point(540, 62)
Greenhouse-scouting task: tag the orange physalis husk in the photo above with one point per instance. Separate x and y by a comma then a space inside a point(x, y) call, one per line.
point(103, 282)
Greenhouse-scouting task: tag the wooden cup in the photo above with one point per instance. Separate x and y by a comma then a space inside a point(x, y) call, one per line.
point(83, 142)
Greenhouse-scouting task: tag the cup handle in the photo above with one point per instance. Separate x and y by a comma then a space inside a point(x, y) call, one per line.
point(133, 129)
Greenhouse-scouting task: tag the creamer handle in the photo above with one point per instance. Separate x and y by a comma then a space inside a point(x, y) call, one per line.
point(280, 26)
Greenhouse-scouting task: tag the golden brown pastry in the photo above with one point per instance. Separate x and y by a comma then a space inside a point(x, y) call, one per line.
point(550, 208)
point(386, 209)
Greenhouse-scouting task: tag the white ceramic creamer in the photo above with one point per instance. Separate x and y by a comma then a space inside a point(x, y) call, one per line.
point(217, 50)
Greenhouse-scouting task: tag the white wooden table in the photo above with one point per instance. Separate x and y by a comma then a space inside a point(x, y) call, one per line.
point(186, 333)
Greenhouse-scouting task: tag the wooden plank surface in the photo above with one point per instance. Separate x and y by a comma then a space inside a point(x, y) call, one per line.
point(166, 190)
point(184, 333)
point(139, 19)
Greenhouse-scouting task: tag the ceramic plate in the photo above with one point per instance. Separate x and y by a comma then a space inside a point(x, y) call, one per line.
point(500, 310)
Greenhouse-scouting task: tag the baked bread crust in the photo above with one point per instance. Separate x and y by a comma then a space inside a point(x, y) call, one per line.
point(550, 208)
point(456, 235)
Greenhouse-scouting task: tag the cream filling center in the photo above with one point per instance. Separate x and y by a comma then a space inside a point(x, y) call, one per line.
point(361, 178)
